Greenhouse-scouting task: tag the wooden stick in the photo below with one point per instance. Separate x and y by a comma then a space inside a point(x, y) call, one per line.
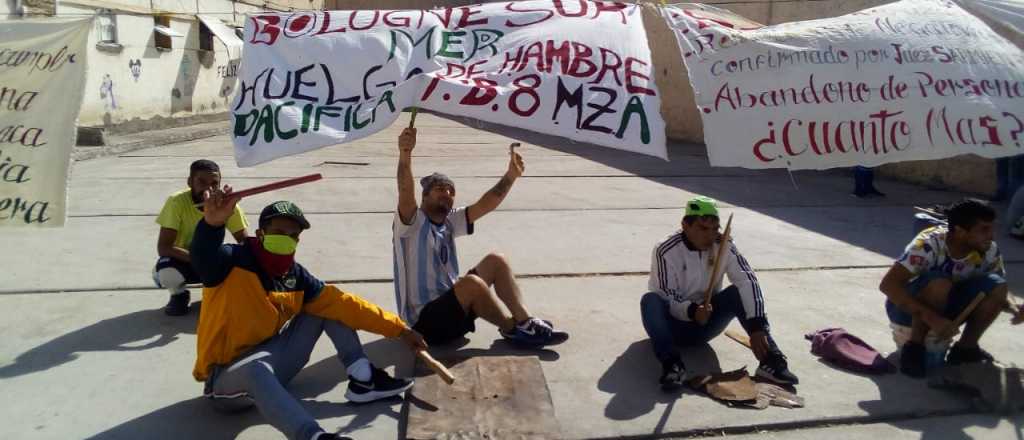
point(718, 260)
point(274, 186)
point(951, 330)
point(412, 118)
point(438, 367)
point(1013, 309)
point(735, 335)
point(1013, 303)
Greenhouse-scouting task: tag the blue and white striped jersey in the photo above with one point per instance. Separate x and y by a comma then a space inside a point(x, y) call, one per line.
point(426, 264)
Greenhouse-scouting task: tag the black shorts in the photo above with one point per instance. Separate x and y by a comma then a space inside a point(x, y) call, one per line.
point(443, 320)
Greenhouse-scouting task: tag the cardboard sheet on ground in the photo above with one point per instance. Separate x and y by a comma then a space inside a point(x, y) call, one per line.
point(42, 69)
point(737, 387)
point(492, 397)
point(911, 80)
point(580, 70)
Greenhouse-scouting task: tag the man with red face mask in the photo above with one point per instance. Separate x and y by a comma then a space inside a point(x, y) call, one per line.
point(263, 313)
point(431, 294)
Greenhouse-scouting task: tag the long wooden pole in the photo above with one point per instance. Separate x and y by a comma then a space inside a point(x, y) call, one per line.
point(718, 261)
point(274, 186)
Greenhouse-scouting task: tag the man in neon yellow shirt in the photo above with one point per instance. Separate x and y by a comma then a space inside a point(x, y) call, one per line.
point(177, 221)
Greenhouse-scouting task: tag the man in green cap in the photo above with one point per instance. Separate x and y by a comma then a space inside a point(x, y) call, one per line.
point(674, 313)
point(263, 313)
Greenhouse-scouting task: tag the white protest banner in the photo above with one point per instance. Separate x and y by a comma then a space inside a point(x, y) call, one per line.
point(911, 80)
point(578, 69)
point(42, 69)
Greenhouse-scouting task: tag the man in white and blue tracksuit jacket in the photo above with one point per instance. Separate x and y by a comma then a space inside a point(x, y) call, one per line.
point(673, 311)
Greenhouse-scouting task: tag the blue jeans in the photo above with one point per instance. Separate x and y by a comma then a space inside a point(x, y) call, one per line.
point(960, 296)
point(260, 375)
point(667, 332)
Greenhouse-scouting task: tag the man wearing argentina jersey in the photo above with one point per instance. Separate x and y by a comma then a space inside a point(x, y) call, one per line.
point(430, 293)
point(673, 312)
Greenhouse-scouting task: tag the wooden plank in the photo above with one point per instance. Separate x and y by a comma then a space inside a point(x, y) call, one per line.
point(494, 397)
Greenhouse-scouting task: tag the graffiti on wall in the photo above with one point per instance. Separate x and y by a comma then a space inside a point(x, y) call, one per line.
point(228, 71)
point(107, 93)
point(135, 67)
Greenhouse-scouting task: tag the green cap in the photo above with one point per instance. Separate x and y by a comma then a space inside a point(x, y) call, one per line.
point(284, 208)
point(701, 206)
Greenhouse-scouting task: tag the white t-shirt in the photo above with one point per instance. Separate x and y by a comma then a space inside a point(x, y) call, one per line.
point(426, 264)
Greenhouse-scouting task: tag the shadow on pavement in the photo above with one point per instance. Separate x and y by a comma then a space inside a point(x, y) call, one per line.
point(632, 379)
point(136, 331)
point(894, 389)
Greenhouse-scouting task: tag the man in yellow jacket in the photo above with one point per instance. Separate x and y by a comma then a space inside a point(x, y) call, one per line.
point(262, 314)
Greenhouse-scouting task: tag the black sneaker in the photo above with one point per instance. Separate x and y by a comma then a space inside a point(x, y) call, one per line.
point(912, 360)
point(776, 369)
point(381, 385)
point(960, 355)
point(673, 375)
point(178, 304)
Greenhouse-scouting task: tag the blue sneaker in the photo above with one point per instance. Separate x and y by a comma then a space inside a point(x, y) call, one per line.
point(534, 333)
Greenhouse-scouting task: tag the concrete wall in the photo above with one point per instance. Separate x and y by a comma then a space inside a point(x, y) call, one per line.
point(133, 85)
point(142, 87)
point(7, 9)
point(141, 83)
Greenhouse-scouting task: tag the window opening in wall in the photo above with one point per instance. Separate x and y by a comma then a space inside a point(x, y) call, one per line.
point(106, 30)
point(163, 35)
point(107, 24)
point(205, 37)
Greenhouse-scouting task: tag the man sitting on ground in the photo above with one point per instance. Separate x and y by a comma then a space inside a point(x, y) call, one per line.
point(674, 313)
point(177, 221)
point(941, 272)
point(430, 293)
point(246, 352)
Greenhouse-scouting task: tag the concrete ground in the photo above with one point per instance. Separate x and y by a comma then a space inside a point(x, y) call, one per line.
point(87, 352)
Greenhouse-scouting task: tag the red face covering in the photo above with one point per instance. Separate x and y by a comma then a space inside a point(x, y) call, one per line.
point(275, 265)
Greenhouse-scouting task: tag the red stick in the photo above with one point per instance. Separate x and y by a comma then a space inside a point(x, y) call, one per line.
point(278, 185)
point(275, 185)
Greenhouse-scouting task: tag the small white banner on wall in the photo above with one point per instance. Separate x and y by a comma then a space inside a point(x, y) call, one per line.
point(42, 72)
point(911, 80)
point(578, 69)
